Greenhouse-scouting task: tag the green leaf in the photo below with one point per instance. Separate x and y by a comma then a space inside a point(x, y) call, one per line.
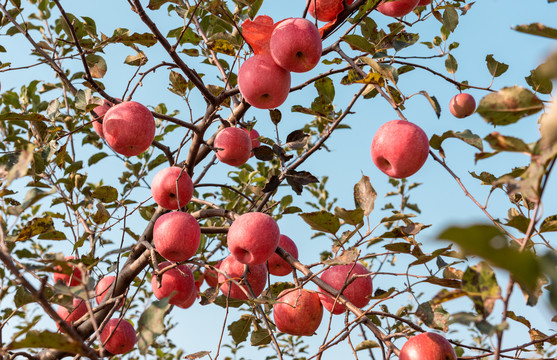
point(450, 18)
point(197, 355)
point(347, 257)
point(35, 227)
point(434, 316)
point(102, 215)
point(26, 117)
point(47, 339)
point(156, 4)
point(520, 319)
point(136, 60)
point(96, 158)
point(451, 64)
point(240, 329)
point(365, 195)
point(467, 136)
point(490, 243)
point(322, 221)
point(366, 344)
point(539, 81)
point(260, 337)
point(433, 102)
point(509, 105)
point(105, 193)
point(123, 36)
point(537, 29)
point(351, 217)
point(549, 224)
point(405, 248)
point(151, 324)
point(499, 142)
point(495, 67)
point(178, 84)
point(97, 66)
point(480, 284)
point(358, 42)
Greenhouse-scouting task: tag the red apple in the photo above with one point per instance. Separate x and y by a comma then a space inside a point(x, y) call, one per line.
point(178, 283)
point(424, 2)
point(327, 10)
point(190, 301)
point(427, 346)
point(118, 336)
point(277, 265)
point(255, 143)
point(129, 128)
point(233, 146)
point(211, 276)
point(253, 238)
point(176, 236)
point(397, 8)
point(63, 276)
point(102, 287)
point(79, 309)
point(100, 111)
point(298, 312)
point(296, 45)
point(357, 292)
point(263, 83)
point(256, 276)
point(399, 148)
point(172, 188)
point(462, 105)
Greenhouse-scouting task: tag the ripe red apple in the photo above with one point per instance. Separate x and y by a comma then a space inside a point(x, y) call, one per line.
point(102, 287)
point(357, 292)
point(253, 238)
point(129, 128)
point(211, 276)
point(172, 188)
point(233, 146)
point(397, 8)
point(176, 236)
point(177, 282)
point(256, 276)
point(327, 10)
point(255, 143)
point(427, 346)
point(72, 279)
point(79, 308)
point(190, 301)
point(263, 83)
point(399, 148)
point(101, 111)
point(296, 45)
point(118, 336)
point(462, 105)
point(424, 2)
point(277, 265)
point(298, 312)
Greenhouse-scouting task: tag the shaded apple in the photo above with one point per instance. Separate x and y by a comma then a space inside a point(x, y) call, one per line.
point(277, 265)
point(100, 111)
point(253, 238)
point(397, 8)
point(298, 312)
point(427, 346)
point(462, 105)
point(68, 278)
point(326, 10)
point(254, 136)
point(129, 128)
point(424, 2)
point(296, 45)
point(357, 291)
point(118, 336)
point(176, 236)
point(172, 188)
point(399, 148)
point(211, 276)
point(177, 282)
point(77, 311)
point(263, 83)
point(256, 276)
point(233, 146)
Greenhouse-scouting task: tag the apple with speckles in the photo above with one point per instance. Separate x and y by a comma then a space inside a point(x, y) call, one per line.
point(298, 312)
point(427, 346)
point(233, 270)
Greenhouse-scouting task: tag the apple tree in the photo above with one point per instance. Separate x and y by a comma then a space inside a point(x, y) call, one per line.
point(156, 168)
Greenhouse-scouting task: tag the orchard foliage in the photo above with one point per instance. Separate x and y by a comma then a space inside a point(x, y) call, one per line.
point(64, 191)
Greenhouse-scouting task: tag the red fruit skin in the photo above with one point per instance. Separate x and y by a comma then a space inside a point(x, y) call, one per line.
point(233, 146)
point(129, 128)
point(176, 236)
point(172, 188)
point(102, 287)
point(277, 265)
point(101, 111)
point(211, 276)
point(427, 346)
point(254, 135)
point(462, 105)
point(327, 10)
point(424, 2)
point(298, 312)
point(178, 282)
point(190, 301)
point(296, 45)
point(357, 292)
point(253, 238)
point(399, 148)
point(68, 280)
point(257, 277)
point(123, 336)
point(397, 8)
point(78, 310)
point(263, 83)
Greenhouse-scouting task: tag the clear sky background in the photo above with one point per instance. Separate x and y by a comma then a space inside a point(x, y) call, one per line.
point(486, 29)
